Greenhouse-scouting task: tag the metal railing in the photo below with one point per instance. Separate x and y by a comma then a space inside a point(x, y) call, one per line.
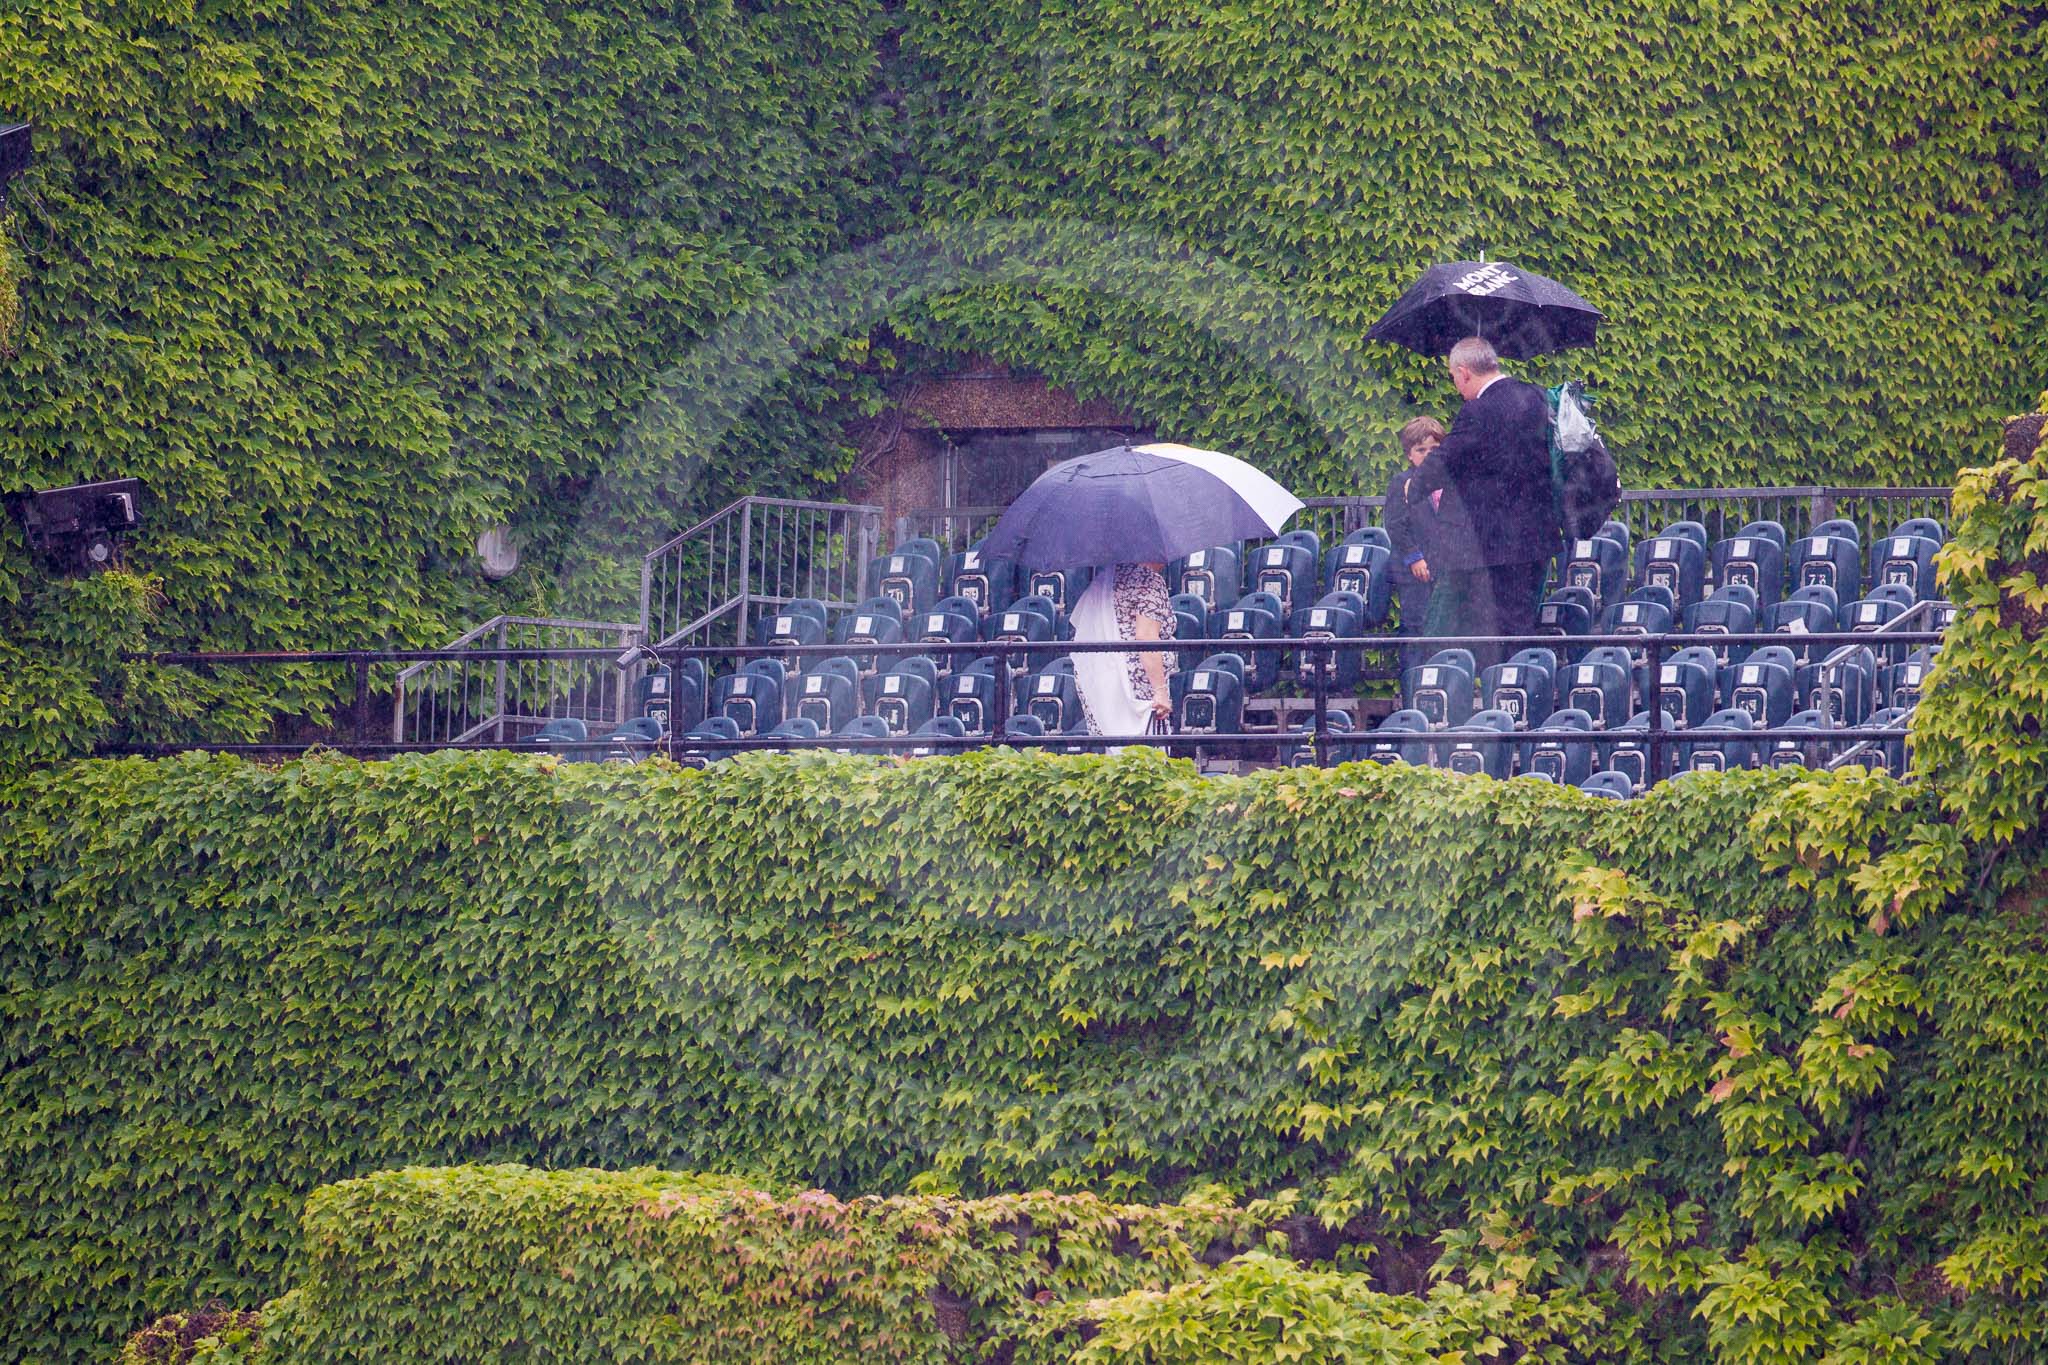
point(707, 584)
point(510, 676)
point(1645, 511)
point(1011, 660)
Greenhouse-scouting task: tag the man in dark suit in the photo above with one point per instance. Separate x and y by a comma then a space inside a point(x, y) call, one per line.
point(1497, 525)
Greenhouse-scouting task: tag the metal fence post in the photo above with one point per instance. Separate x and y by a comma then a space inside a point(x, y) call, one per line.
point(1322, 741)
point(746, 566)
point(999, 716)
point(362, 703)
point(1654, 685)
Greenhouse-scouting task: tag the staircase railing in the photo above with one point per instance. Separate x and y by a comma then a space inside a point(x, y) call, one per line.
point(706, 585)
point(454, 701)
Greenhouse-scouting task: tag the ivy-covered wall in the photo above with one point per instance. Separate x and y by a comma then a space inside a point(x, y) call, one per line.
point(1498, 1022)
point(348, 285)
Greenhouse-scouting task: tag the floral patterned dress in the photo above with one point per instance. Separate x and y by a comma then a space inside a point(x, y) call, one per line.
point(1140, 592)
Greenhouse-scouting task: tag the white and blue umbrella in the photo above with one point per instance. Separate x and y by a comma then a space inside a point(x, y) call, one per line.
point(1138, 504)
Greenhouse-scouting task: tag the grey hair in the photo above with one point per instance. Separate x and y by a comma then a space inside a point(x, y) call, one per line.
point(1477, 355)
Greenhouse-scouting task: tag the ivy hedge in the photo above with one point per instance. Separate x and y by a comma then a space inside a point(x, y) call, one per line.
point(1672, 1054)
point(349, 286)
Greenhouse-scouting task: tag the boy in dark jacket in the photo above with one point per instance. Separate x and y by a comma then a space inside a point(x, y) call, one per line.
point(1410, 520)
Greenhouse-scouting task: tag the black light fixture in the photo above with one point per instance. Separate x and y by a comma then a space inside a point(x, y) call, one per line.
point(77, 529)
point(14, 155)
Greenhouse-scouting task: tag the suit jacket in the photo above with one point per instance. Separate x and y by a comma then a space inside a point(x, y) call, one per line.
point(1494, 468)
point(1409, 519)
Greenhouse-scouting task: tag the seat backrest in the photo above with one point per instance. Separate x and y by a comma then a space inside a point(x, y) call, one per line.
point(1211, 699)
point(952, 620)
point(1213, 575)
point(1635, 618)
point(797, 727)
point(1618, 533)
point(1053, 698)
point(1765, 530)
point(1720, 755)
point(1564, 763)
point(1597, 564)
point(1568, 611)
point(1841, 527)
point(1784, 751)
point(1287, 570)
point(562, 730)
point(795, 628)
point(1752, 561)
point(1472, 757)
point(1629, 751)
point(1371, 535)
point(1306, 539)
point(1611, 785)
point(1906, 562)
point(1657, 593)
point(1365, 569)
point(1520, 690)
point(1832, 561)
point(1686, 685)
point(1600, 688)
point(1441, 689)
point(751, 699)
point(1028, 619)
point(1872, 613)
point(1062, 587)
point(1762, 686)
point(865, 727)
point(1925, 527)
point(909, 576)
point(984, 581)
point(1677, 562)
point(1394, 740)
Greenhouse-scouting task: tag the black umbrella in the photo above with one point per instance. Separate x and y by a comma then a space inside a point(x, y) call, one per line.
point(1138, 504)
point(1522, 314)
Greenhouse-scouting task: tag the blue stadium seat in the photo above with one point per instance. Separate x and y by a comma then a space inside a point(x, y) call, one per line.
point(1677, 562)
point(1472, 757)
point(1839, 527)
point(797, 727)
point(1870, 615)
point(566, 733)
point(1887, 754)
point(689, 752)
point(971, 695)
point(876, 621)
point(1907, 561)
point(1564, 763)
point(1213, 575)
point(1440, 688)
point(1024, 727)
point(1335, 616)
point(1400, 738)
point(1942, 615)
point(908, 577)
point(1784, 752)
point(1370, 535)
point(1566, 612)
point(1052, 695)
point(633, 741)
point(1611, 785)
point(863, 727)
point(1287, 569)
point(1190, 622)
point(1829, 561)
point(1062, 587)
point(1209, 698)
point(830, 693)
point(1773, 531)
point(1926, 527)
point(1365, 569)
point(750, 698)
point(1806, 611)
point(1903, 684)
point(1635, 618)
point(1689, 530)
point(1618, 533)
point(1028, 620)
point(1720, 755)
point(1656, 594)
point(1255, 616)
point(1761, 685)
point(986, 582)
point(1601, 687)
point(1303, 754)
point(906, 696)
point(1687, 683)
point(1598, 564)
point(673, 696)
point(938, 727)
point(1629, 751)
point(1523, 688)
point(1730, 610)
point(1842, 686)
point(951, 621)
point(1754, 561)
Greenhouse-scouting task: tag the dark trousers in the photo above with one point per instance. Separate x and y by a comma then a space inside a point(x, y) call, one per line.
point(1413, 596)
point(1499, 599)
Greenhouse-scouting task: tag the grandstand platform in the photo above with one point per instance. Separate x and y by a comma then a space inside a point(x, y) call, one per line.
point(1698, 630)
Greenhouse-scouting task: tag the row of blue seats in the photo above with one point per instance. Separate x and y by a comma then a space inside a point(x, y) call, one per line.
point(1692, 686)
point(1473, 747)
point(1757, 557)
